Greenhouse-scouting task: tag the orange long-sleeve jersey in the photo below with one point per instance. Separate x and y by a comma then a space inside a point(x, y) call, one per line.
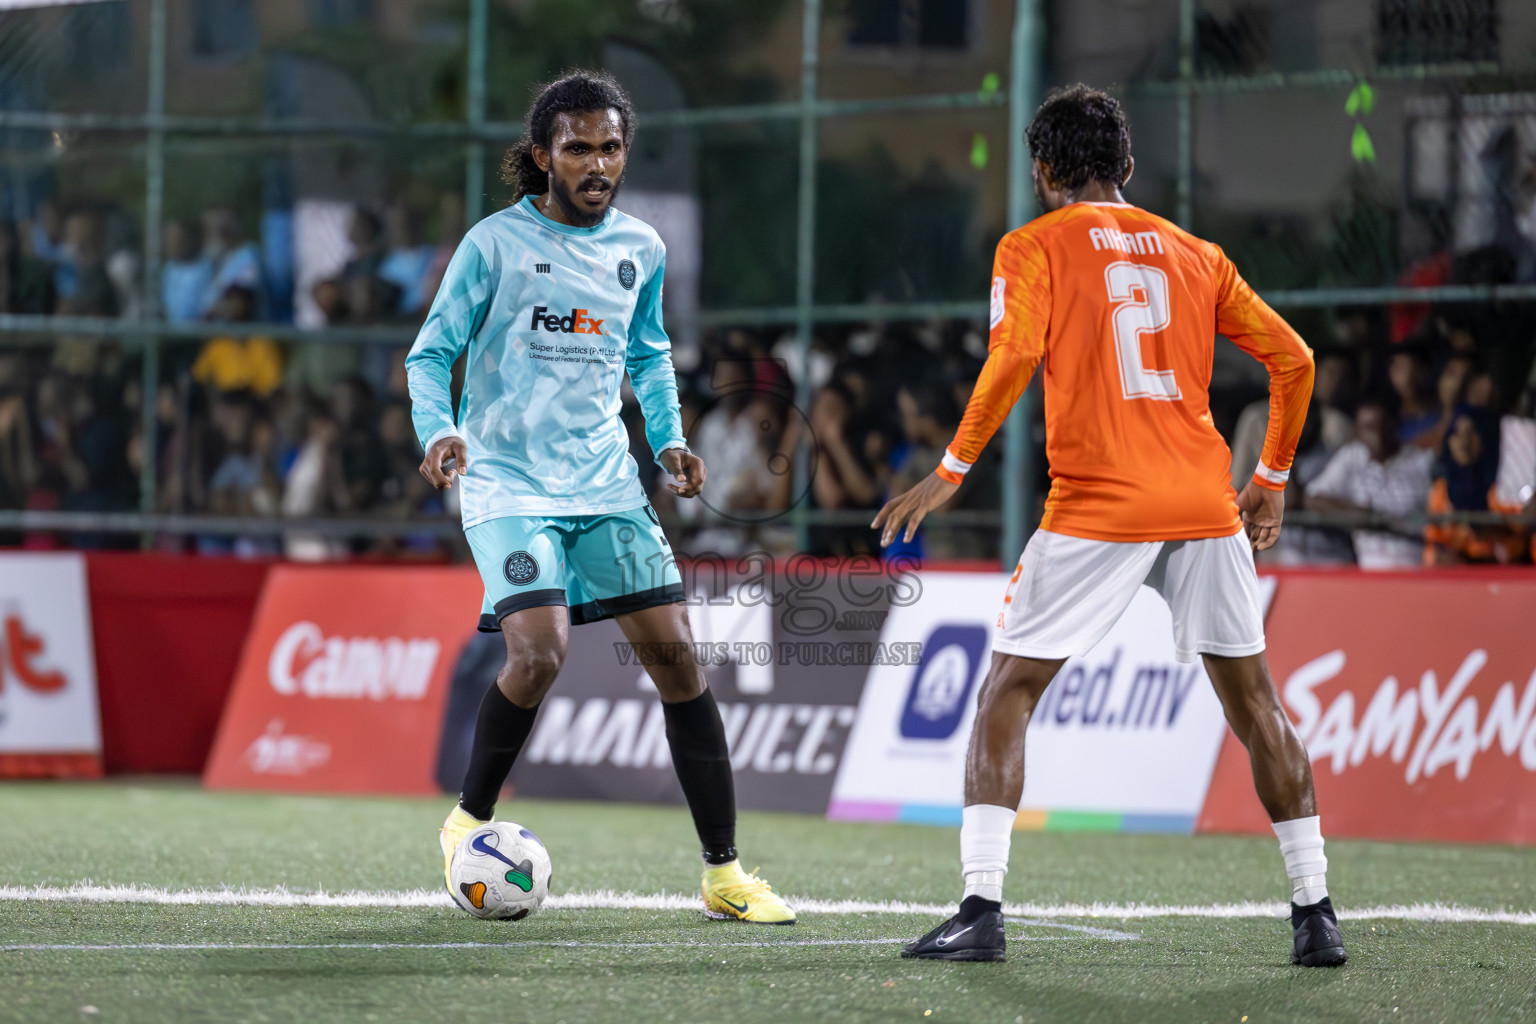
point(1122, 308)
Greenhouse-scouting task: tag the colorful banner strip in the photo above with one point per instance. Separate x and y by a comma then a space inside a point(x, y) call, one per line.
point(1027, 821)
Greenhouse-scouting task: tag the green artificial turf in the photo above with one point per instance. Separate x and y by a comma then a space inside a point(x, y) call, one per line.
point(640, 965)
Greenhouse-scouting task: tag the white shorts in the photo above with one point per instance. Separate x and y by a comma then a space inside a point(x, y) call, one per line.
point(1068, 592)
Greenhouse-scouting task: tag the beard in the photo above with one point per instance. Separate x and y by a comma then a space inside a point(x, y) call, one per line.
point(566, 199)
point(1040, 196)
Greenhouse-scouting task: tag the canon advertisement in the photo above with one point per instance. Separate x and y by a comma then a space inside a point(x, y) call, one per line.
point(343, 680)
point(49, 718)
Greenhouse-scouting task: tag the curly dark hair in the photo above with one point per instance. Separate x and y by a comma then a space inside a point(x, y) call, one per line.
point(1082, 135)
point(575, 92)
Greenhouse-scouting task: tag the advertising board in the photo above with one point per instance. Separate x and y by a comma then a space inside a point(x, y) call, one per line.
point(343, 679)
point(50, 722)
point(785, 653)
point(1416, 698)
point(1124, 738)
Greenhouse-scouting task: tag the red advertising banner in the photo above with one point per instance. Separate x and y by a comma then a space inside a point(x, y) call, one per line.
point(169, 630)
point(343, 680)
point(1416, 698)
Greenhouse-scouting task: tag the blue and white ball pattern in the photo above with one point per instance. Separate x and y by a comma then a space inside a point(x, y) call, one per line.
point(500, 872)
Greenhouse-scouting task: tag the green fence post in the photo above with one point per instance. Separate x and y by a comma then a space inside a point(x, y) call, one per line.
point(154, 215)
point(474, 150)
point(805, 254)
point(1018, 446)
point(1184, 211)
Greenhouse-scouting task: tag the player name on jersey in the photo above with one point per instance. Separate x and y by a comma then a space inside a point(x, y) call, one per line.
point(1140, 243)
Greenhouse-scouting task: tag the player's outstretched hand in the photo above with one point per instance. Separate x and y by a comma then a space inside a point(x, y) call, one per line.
point(1262, 509)
point(443, 451)
point(687, 469)
point(909, 509)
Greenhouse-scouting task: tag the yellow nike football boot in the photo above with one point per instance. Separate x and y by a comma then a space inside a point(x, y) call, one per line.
point(460, 823)
point(730, 894)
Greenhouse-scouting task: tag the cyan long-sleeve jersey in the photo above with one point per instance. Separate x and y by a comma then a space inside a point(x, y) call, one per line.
point(552, 316)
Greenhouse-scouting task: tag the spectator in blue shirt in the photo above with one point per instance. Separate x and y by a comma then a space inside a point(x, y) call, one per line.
point(185, 277)
point(232, 260)
point(408, 260)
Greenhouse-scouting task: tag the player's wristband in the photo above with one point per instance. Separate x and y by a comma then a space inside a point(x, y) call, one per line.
point(681, 446)
point(952, 470)
point(448, 431)
point(1270, 479)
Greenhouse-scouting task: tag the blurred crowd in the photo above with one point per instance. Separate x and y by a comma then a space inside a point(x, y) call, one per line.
point(1417, 409)
point(885, 399)
point(1434, 422)
point(1431, 424)
point(246, 426)
point(87, 261)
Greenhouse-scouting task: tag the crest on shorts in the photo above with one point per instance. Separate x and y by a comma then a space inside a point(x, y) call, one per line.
point(626, 274)
point(520, 568)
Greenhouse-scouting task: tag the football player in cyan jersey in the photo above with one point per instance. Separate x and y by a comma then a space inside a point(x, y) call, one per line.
point(556, 298)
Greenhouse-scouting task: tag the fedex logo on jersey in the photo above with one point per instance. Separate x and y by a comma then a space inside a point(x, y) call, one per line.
point(1141, 243)
point(578, 322)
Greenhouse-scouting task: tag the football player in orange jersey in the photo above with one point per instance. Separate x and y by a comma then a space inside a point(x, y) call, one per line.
point(1120, 309)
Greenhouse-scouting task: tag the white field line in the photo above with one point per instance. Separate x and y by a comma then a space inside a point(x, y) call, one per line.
point(87, 892)
point(182, 947)
point(1073, 932)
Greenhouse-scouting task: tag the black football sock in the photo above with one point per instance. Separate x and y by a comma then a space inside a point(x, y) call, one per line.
point(501, 729)
point(703, 765)
point(973, 907)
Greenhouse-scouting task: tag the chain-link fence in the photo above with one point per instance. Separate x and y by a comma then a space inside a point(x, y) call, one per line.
point(223, 219)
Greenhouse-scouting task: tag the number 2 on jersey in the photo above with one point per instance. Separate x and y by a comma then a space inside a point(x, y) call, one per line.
point(1140, 297)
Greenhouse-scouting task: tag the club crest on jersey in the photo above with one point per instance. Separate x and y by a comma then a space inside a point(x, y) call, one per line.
point(578, 322)
point(520, 569)
point(626, 274)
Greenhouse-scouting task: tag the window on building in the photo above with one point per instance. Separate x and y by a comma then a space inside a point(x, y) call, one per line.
point(339, 13)
point(913, 24)
point(94, 35)
point(1237, 43)
point(224, 28)
point(1436, 31)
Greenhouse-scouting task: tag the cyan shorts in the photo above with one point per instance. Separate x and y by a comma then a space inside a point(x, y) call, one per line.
point(598, 566)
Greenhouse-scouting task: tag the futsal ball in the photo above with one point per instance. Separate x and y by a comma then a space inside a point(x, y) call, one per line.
point(500, 872)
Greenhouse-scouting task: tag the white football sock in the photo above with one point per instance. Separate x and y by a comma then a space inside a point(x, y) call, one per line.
point(985, 832)
point(1301, 844)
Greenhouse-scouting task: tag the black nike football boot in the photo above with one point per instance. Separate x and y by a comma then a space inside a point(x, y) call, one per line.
point(1317, 939)
point(976, 933)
